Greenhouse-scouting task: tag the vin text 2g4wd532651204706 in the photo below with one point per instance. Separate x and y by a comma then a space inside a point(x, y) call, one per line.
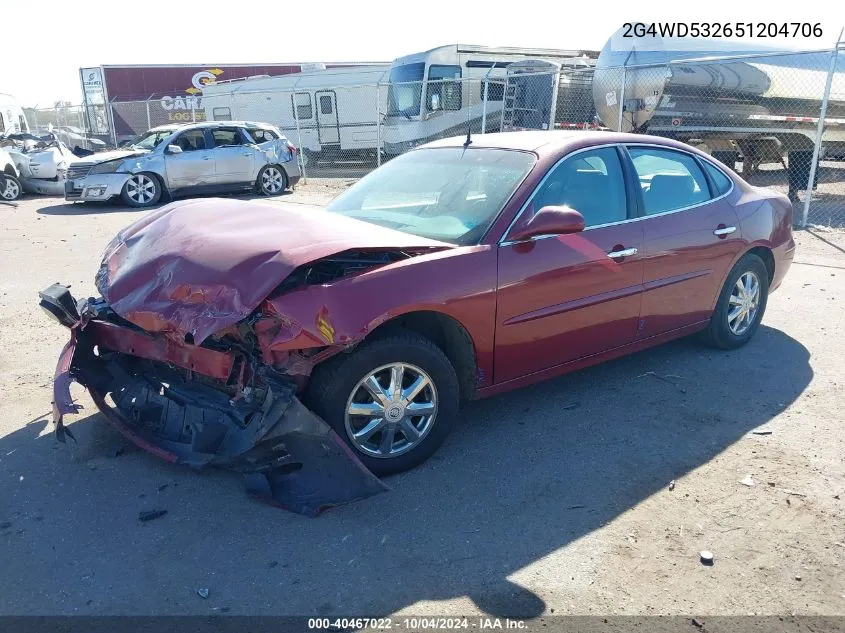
point(458, 270)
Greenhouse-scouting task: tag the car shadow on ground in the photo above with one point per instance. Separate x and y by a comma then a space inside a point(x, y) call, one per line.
point(523, 475)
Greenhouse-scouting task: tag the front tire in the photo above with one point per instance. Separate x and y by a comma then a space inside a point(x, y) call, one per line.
point(10, 188)
point(393, 400)
point(741, 304)
point(141, 190)
point(272, 180)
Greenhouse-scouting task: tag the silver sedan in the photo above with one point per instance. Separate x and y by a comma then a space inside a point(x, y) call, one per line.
point(171, 160)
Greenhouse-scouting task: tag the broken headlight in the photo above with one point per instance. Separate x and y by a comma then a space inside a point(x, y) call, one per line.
point(106, 168)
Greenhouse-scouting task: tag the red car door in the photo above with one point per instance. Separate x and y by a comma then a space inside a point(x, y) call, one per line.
point(565, 297)
point(691, 237)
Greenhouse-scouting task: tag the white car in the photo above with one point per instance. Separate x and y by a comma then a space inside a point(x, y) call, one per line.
point(10, 184)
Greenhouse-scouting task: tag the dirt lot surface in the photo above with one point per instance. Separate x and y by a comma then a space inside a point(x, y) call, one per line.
point(589, 494)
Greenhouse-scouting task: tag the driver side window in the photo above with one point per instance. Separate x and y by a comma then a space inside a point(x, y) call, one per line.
point(589, 182)
point(191, 140)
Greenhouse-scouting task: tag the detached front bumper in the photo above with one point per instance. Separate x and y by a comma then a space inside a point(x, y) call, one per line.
point(95, 187)
point(204, 407)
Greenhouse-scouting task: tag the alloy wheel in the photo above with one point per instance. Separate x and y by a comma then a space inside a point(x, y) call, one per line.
point(11, 191)
point(743, 303)
point(272, 180)
point(141, 189)
point(391, 410)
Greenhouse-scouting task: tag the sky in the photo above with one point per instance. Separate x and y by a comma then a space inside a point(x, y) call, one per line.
point(69, 35)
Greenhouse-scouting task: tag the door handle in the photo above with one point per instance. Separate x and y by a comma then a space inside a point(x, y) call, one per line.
point(246, 154)
point(206, 158)
point(725, 230)
point(623, 253)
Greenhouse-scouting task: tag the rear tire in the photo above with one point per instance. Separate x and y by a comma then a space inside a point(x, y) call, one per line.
point(272, 180)
point(741, 305)
point(10, 188)
point(336, 387)
point(141, 190)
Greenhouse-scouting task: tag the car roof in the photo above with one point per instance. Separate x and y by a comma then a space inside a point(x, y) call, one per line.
point(551, 142)
point(210, 125)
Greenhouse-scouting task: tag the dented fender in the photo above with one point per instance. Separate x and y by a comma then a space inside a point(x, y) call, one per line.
point(340, 314)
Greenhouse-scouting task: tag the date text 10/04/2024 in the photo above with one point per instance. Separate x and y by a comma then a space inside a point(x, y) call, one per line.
point(415, 623)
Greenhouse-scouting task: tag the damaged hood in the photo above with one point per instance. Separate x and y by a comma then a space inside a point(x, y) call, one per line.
point(116, 154)
point(197, 266)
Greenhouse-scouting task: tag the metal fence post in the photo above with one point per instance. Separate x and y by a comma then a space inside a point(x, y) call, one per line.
point(149, 122)
point(484, 99)
point(621, 99)
point(110, 117)
point(378, 125)
point(299, 138)
point(820, 131)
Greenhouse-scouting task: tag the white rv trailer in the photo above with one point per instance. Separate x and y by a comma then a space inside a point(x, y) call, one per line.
point(430, 96)
point(335, 109)
point(12, 119)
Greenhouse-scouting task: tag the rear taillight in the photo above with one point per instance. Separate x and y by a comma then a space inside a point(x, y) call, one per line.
point(292, 148)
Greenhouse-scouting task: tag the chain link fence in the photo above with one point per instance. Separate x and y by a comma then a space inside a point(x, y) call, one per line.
point(777, 119)
point(70, 125)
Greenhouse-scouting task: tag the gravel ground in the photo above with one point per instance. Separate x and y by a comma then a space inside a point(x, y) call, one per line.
point(554, 499)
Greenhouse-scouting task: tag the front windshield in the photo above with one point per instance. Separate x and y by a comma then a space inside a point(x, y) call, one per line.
point(149, 140)
point(449, 194)
point(405, 89)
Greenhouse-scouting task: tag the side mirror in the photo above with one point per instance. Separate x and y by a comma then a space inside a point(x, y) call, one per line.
point(550, 220)
point(173, 149)
point(435, 102)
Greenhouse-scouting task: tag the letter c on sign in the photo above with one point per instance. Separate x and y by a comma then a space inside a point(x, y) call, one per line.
point(167, 103)
point(197, 80)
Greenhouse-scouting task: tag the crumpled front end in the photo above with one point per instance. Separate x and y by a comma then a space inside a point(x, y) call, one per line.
point(203, 406)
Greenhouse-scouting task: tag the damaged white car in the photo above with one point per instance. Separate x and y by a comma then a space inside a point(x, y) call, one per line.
point(188, 159)
point(41, 162)
point(10, 184)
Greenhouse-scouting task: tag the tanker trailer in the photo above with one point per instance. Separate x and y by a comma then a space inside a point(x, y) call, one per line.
point(760, 104)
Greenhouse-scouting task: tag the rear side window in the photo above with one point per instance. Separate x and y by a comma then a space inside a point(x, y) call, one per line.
point(2, 123)
point(262, 136)
point(669, 180)
point(227, 136)
point(590, 182)
point(722, 182)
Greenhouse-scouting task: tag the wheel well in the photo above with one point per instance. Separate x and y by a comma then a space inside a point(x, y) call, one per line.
point(449, 335)
point(9, 170)
point(768, 259)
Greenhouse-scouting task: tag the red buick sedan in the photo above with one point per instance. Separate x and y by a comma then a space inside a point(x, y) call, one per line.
point(461, 269)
